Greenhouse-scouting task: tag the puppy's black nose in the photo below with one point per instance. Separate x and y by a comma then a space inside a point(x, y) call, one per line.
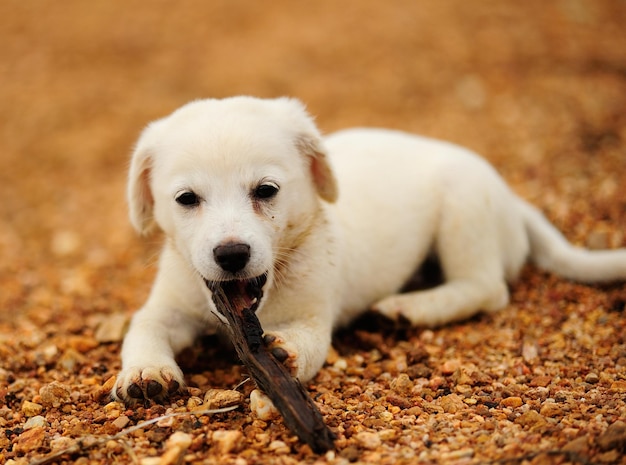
point(232, 256)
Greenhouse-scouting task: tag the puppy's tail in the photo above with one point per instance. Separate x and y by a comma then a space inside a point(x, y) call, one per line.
point(550, 250)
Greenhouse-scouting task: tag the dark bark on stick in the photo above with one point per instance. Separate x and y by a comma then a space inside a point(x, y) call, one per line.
point(299, 412)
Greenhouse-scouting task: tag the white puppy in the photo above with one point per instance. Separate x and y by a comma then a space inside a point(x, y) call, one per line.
point(246, 189)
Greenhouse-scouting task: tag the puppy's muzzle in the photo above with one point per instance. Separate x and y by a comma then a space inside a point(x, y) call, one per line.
point(232, 256)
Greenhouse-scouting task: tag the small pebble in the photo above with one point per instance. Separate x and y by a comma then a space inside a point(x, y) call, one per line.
point(83, 344)
point(226, 440)
point(541, 381)
point(194, 391)
point(530, 351)
point(387, 434)
point(340, 364)
point(30, 440)
point(262, 406)
point(531, 419)
point(450, 366)
point(461, 377)
point(49, 353)
point(402, 384)
point(166, 422)
point(113, 414)
point(551, 409)
point(54, 394)
point(34, 422)
point(512, 402)
point(179, 439)
point(111, 406)
point(279, 447)
point(102, 393)
point(368, 440)
point(194, 402)
point(70, 359)
point(16, 386)
point(199, 379)
point(121, 422)
point(112, 328)
point(452, 403)
point(175, 446)
point(61, 442)
point(31, 409)
point(221, 398)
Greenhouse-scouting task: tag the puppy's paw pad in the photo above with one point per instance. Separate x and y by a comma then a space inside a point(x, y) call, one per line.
point(134, 391)
point(282, 351)
point(280, 354)
point(151, 383)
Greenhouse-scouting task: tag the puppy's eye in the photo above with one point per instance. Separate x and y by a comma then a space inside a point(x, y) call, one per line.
point(187, 199)
point(266, 191)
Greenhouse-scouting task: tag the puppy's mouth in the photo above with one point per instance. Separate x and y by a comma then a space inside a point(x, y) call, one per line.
point(239, 293)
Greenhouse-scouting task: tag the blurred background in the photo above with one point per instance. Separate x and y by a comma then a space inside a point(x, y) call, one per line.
point(538, 88)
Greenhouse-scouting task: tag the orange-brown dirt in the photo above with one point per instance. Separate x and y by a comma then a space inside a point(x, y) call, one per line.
point(539, 88)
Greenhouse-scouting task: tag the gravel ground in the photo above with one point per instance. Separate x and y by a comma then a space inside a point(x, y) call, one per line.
point(538, 87)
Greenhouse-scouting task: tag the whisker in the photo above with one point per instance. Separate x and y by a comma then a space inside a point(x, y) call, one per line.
point(281, 263)
point(289, 251)
point(279, 277)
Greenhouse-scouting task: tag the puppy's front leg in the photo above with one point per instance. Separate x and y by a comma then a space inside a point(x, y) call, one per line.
point(149, 371)
point(302, 345)
point(175, 313)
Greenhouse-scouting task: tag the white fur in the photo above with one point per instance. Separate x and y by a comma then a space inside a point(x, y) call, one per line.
point(401, 199)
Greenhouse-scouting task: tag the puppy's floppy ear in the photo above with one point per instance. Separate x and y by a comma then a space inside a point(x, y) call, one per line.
point(321, 173)
point(139, 193)
point(309, 143)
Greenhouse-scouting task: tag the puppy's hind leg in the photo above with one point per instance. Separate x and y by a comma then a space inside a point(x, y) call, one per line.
point(454, 300)
point(468, 249)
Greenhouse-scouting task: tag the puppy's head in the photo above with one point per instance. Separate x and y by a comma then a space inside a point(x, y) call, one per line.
point(232, 183)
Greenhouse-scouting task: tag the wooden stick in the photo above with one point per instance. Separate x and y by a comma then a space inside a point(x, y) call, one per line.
point(299, 412)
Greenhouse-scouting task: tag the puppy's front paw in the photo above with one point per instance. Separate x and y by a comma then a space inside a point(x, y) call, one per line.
point(282, 351)
point(151, 383)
